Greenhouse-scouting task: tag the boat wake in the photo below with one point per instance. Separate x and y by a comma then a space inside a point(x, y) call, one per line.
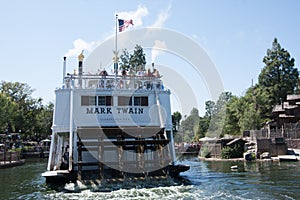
point(168, 192)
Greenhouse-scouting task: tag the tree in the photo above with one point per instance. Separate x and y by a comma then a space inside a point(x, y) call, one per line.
point(138, 58)
point(233, 114)
point(124, 60)
point(8, 108)
point(218, 115)
point(190, 126)
point(176, 117)
point(19, 112)
point(279, 77)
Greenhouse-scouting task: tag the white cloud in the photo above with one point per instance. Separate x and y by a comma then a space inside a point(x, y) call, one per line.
point(162, 17)
point(79, 45)
point(136, 15)
point(158, 48)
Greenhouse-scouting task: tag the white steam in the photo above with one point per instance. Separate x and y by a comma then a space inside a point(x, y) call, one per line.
point(158, 48)
point(79, 45)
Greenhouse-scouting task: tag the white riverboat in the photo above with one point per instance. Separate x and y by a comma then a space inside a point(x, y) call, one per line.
point(108, 126)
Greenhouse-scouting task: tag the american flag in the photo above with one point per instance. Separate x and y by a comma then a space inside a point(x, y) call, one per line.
point(123, 24)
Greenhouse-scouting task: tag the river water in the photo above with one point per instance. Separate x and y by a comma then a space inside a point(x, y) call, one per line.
point(205, 180)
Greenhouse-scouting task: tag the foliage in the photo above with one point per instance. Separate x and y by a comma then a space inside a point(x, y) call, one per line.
point(232, 115)
point(190, 126)
point(136, 60)
point(19, 112)
point(176, 117)
point(124, 62)
point(205, 153)
point(216, 113)
point(279, 77)
point(228, 152)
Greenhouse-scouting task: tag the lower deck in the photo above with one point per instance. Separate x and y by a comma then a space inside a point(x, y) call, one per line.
point(113, 152)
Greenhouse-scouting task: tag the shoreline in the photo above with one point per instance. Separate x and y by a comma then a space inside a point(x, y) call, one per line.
point(221, 159)
point(11, 164)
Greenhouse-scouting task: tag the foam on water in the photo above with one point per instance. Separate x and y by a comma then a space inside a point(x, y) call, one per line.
point(170, 192)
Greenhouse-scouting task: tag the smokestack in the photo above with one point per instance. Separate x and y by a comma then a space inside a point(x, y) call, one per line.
point(152, 66)
point(64, 69)
point(80, 61)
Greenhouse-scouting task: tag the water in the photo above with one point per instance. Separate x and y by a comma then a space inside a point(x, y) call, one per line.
point(205, 180)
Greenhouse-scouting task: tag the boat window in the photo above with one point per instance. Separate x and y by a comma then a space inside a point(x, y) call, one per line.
point(144, 101)
point(124, 101)
point(141, 101)
point(101, 101)
point(137, 101)
point(88, 100)
point(105, 101)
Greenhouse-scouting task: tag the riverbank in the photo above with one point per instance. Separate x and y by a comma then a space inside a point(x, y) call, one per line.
point(11, 164)
point(220, 159)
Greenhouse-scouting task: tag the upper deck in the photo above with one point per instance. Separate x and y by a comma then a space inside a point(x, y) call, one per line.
point(109, 100)
point(113, 82)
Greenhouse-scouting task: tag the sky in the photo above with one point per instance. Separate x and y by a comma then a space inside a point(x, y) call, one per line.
point(235, 34)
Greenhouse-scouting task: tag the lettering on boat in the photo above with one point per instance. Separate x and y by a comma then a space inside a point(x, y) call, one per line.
point(118, 110)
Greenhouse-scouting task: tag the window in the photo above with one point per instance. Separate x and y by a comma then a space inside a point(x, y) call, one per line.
point(144, 101)
point(94, 100)
point(101, 101)
point(105, 101)
point(124, 101)
point(137, 101)
point(141, 101)
point(109, 100)
point(88, 100)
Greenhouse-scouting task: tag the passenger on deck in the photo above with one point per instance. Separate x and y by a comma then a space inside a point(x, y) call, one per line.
point(148, 73)
point(124, 73)
point(103, 73)
point(101, 83)
point(156, 73)
point(131, 72)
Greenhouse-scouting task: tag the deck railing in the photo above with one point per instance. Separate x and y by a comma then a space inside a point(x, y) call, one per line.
point(8, 157)
point(111, 82)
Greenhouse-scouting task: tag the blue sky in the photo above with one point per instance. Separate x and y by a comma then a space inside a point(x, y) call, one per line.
point(236, 34)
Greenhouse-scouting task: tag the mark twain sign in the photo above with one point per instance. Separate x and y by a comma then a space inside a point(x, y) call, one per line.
point(117, 110)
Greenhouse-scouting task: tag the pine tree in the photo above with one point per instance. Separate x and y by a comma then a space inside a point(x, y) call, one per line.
point(279, 77)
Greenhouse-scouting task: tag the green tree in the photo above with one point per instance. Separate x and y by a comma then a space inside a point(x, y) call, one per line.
point(138, 58)
point(124, 60)
point(22, 112)
point(176, 117)
point(279, 77)
point(190, 126)
point(8, 108)
point(233, 114)
point(218, 116)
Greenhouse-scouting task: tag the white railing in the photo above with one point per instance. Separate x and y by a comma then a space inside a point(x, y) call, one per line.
point(110, 82)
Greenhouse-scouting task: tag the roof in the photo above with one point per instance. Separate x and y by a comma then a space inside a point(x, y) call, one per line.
point(293, 97)
point(278, 108)
point(234, 141)
point(286, 116)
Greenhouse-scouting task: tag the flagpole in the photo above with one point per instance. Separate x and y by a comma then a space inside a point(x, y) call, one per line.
point(116, 50)
point(116, 39)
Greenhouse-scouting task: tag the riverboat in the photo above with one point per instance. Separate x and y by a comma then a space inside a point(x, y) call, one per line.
point(111, 126)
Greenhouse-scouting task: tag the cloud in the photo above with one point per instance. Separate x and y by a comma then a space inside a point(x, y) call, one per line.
point(158, 48)
point(162, 17)
point(136, 15)
point(79, 45)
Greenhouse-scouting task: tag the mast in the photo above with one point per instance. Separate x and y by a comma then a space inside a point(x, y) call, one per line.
point(64, 69)
point(115, 58)
point(71, 127)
